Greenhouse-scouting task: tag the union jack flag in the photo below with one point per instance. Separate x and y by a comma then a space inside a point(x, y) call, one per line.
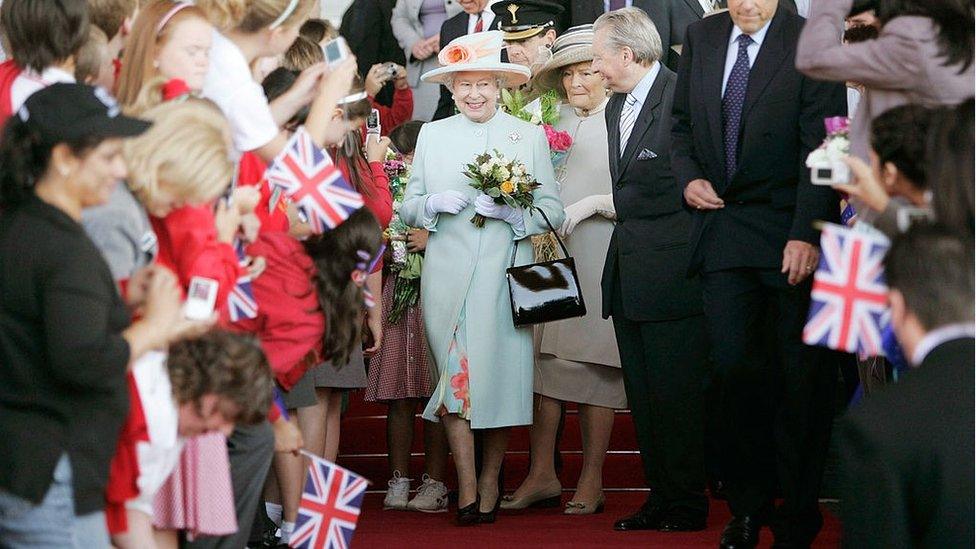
point(330, 506)
point(307, 175)
point(240, 302)
point(849, 297)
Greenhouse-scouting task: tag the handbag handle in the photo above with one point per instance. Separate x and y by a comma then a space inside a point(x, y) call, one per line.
point(551, 228)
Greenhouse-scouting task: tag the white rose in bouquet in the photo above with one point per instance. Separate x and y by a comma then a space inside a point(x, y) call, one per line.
point(818, 157)
point(838, 147)
point(485, 169)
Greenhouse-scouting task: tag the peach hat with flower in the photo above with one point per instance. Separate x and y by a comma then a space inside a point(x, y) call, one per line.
point(478, 52)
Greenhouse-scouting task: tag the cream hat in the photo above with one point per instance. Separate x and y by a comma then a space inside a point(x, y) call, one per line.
point(574, 46)
point(478, 52)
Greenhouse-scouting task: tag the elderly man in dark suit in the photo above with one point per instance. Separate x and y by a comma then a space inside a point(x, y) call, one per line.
point(656, 309)
point(908, 450)
point(744, 121)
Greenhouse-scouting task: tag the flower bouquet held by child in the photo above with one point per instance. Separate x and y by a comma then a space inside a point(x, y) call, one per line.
point(826, 162)
point(406, 265)
point(504, 180)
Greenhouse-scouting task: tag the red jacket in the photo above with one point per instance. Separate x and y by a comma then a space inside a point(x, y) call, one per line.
point(400, 112)
point(9, 71)
point(290, 323)
point(188, 246)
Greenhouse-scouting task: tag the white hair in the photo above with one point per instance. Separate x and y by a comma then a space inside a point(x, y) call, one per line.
point(632, 28)
point(449, 80)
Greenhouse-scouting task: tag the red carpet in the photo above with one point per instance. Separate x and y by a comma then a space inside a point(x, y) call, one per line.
point(542, 528)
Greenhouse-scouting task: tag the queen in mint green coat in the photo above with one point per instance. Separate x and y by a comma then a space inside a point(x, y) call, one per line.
point(464, 290)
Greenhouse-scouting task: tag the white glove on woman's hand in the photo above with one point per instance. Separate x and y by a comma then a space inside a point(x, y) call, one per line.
point(486, 206)
point(449, 202)
point(587, 207)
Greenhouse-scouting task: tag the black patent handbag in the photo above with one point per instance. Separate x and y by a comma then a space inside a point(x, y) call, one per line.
point(545, 292)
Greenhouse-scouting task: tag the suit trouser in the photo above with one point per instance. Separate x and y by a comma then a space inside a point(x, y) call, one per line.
point(249, 449)
point(663, 367)
point(775, 413)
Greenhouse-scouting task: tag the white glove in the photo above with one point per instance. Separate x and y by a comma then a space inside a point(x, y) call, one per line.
point(449, 202)
point(585, 208)
point(486, 206)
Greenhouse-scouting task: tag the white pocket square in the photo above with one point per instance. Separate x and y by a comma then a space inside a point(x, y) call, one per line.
point(646, 154)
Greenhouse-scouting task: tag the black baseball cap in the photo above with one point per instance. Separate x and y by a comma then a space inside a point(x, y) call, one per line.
point(66, 112)
point(523, 19)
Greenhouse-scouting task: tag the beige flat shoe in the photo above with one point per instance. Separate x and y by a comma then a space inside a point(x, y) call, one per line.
point(582, 508)
point(550, 497)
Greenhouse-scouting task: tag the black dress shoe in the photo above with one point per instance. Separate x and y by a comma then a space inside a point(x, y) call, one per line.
point(648, 518)
point(742, 532)
point(681, 522)
point(469, 514)
point(489, 517)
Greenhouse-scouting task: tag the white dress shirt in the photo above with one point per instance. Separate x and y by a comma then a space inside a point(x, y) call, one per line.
point(939, 336)
point(643, 87)
point(708, 6)
point(487, 16)
point(802, 7)
point(752, 50)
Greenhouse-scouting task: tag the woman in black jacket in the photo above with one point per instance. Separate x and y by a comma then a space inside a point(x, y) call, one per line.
point(65, 333)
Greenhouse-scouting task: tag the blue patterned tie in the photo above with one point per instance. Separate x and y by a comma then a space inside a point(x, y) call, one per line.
point(735, 96)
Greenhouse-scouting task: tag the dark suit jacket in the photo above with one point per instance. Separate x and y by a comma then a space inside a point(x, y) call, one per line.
point(907, 457)
point(649, 246)
point(366, 27)
point(452, 28)
point(770, 199)
point(586, 11)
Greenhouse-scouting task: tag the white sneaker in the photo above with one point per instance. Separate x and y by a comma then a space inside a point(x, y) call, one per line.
point(397, 493)
point(431, 497)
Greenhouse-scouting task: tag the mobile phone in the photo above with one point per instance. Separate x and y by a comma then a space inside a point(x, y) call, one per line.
point(373, 124)
point(200, 298)
point(391, 69)
point(335, 50)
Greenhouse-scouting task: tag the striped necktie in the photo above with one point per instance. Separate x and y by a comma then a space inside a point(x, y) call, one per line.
point(627, 118)
point(480, 24)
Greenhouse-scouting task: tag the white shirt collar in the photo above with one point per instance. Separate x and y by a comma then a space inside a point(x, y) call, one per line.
point(941, 335)
point(757, 36)
point(643, 87)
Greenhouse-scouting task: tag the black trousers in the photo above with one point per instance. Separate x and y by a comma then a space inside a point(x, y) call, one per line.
point(663, 366)
point(774, 408)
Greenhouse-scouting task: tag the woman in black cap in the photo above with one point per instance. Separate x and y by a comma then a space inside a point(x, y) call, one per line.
point(65, 335)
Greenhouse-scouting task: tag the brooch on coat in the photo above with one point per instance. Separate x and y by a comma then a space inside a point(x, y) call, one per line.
point(514, 137)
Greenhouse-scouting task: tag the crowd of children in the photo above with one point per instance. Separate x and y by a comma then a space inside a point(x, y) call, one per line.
point(145, 131)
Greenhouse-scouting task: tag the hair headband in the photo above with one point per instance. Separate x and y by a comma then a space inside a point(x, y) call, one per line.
point(169, 15)
point(352, 98)
point(289, 9)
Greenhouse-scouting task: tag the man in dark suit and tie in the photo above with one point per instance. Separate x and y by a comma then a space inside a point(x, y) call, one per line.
point(656, 309)
point(744, 121)
point(476, 17)
point(907, 451)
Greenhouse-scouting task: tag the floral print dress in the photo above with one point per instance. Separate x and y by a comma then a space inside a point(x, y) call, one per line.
point(454, 389)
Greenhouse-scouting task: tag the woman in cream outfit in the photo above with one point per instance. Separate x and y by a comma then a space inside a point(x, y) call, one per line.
point(578, 360)
point(417, 26)
point(483, 362)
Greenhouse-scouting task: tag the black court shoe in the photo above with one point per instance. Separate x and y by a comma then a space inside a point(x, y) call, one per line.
point(469, 514)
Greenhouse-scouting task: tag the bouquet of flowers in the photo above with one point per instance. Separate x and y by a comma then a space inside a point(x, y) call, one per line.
point(502, 179)
point(407, 265)
point(826, 162)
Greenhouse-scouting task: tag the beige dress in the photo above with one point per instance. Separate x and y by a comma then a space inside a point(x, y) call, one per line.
point(577, 359)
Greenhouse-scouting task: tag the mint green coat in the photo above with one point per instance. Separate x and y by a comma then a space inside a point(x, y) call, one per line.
point(464, 266)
